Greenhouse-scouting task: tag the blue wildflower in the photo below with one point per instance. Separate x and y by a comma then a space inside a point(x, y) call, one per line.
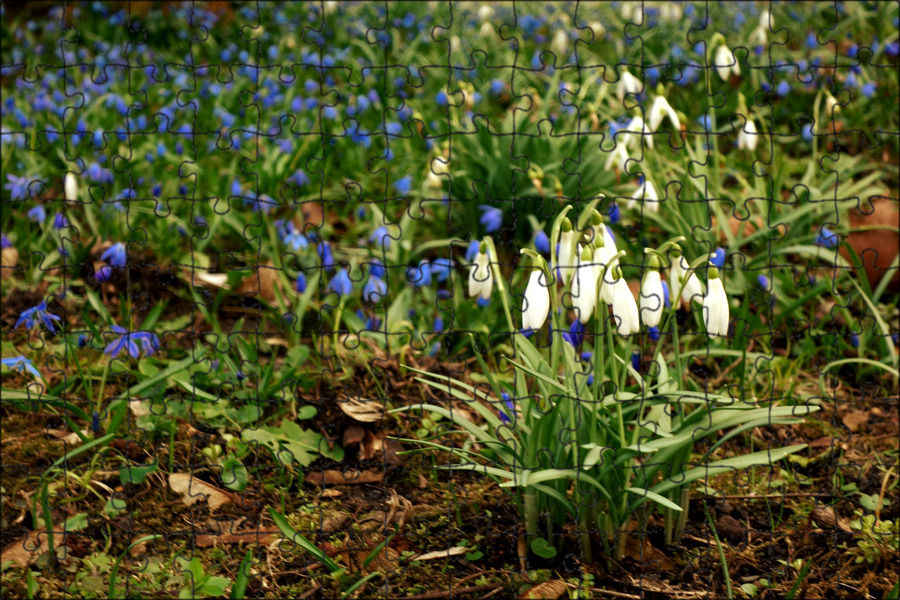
point(636, 361)
point(381, 237)
point(542, 242)
point(614, 213)
point(299, 178)
point(507, 418)
point(38, 214)
point(376, 268)
point(763, 282)
point(667, 302)
point(575, 335)
point(497, 86)
point(404, 185)
point(491, 218)
point(420, 275)
point(783, 88)
point(103, 274)
point(854, 339)
point(300, 286)
point(295, 239)
point(115, 255)
point(37, 314)
point(440, 268)
point(20, 364)
point(340, 284)
point(4, 242)
point(482, 302)
point(374, 290)
point(235, 188)
point(324, 249)
point(472, 250)
point(718, 257)
point(60, 221)
point(438, 324)
point(441, 98)
point(868, 90)
point(826, 238)
point(129, 340)
point(82, 341)
point(654, 333)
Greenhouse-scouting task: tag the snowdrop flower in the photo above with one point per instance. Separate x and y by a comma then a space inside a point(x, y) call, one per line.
point(831, 104)
point(584, 284)
point(692, 288)
point(481, 283)
point(624, 307)
point(659, 110)
point(652, 294)
point(536, 303)
point(628, 84)
point(646, 195)
point(71, 187)
point(617, 158)
point(635, 132)
point(485, 12)
point(747, 138)
point(715, 306)
point(560, 43)
point(725, 62)
point(566, 251)
point(670, 11)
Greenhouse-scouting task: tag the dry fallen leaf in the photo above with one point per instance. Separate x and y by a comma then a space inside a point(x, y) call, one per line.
point(26, 550)
point(364, 411)
point(335, 477)
point(549, 590)
point(248, 536)
point(193, 490)
point(455, 551)
point(854, 419)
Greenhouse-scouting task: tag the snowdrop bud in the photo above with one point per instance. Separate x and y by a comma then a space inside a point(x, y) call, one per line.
point(747, 137)
point(715, 306)
point(584, 284)
point(598, 29)
point(486, 31)
point(481, 281)
point(71, 187)
point(831, 104)
point(659, 110)
point(628, 84)
point(624, 307)
point(485, 12)
point(646, 195)
point(617, 158)
point(566, 253)
point(454, 43)
point(677, 272)
point(560, 43)
point(725, 62)
point(652, 294)
point(536, 303)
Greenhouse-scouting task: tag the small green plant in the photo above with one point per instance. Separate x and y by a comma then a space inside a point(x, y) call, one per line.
point(578, 439)
point(876, 540)
point(197, 584)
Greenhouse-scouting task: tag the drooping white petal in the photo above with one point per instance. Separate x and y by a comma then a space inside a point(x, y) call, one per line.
point(566, 260)
point(636, 132)
point(693, 289)
point(71, 187)
point(646, 195)
point(617, 158)
point(659, 110)
point(715, 309)
point(725, 62)
point(481, 282)
point(584, 289)
point(747, 137)
point(628, 84)
point(536, 303)
point(652, 300)
point(624, 308)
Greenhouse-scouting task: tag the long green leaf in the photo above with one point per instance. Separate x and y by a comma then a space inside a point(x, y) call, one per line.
point(301, 541)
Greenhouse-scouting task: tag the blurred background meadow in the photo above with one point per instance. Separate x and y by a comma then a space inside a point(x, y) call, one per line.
point(237, 259)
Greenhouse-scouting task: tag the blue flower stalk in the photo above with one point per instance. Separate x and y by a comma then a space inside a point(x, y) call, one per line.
point(35, 315)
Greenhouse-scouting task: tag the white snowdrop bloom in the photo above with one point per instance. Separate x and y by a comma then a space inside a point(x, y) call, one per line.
point(560, 43)
point(747, 138)
point(584, 284)
point(486, 31)
point(693, 289)
point(71, 187)
point(481, 282)
point(645, 195)
point(725, 62)
point(659, 110)
point(617, 158)
point(652, 300)
point(485, 12)
point(536, 303)
point(831, 104)
point(455, 43)
point(670, 11)
point(624, 307)
point(598, 29)
point(715, 306)
point(628, 84)
point(566, 258)
point(636, 132)
point(765, 19)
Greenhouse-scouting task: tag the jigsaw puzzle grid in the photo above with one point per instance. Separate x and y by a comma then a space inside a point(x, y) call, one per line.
point(252, 229)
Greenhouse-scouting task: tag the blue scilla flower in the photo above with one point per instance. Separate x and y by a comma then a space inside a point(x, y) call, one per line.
point(340, 284)
point(420, 275)
point(854, 339)
point(826, 238)
point(869, 89)
point(300, 285)
point(295, 239)
point(38, 214)
point(5, 242)
point(575, 335)
point(542, 242)
point(718, 257)
point(438, 324)
point(116, 255)
point(441, 98)
point(60, 221)
point(763, 282)
point(299, 178)
point(491, 218)
point(376, 269)
point(636, 360)
point(374, 290)
point(783, 88)
point(235, 188)
point(324, 250)
point(103, 273)
point(404, 185)
point(666, 301)
point(472, 250)
point(129, 340)
point(381, 237)
point(440, 268)
point(497, 86)
point(807, 133)
point(614, 213)
point(20, 364)
point(653, 332)
point(38, 314)
point(507, 418)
